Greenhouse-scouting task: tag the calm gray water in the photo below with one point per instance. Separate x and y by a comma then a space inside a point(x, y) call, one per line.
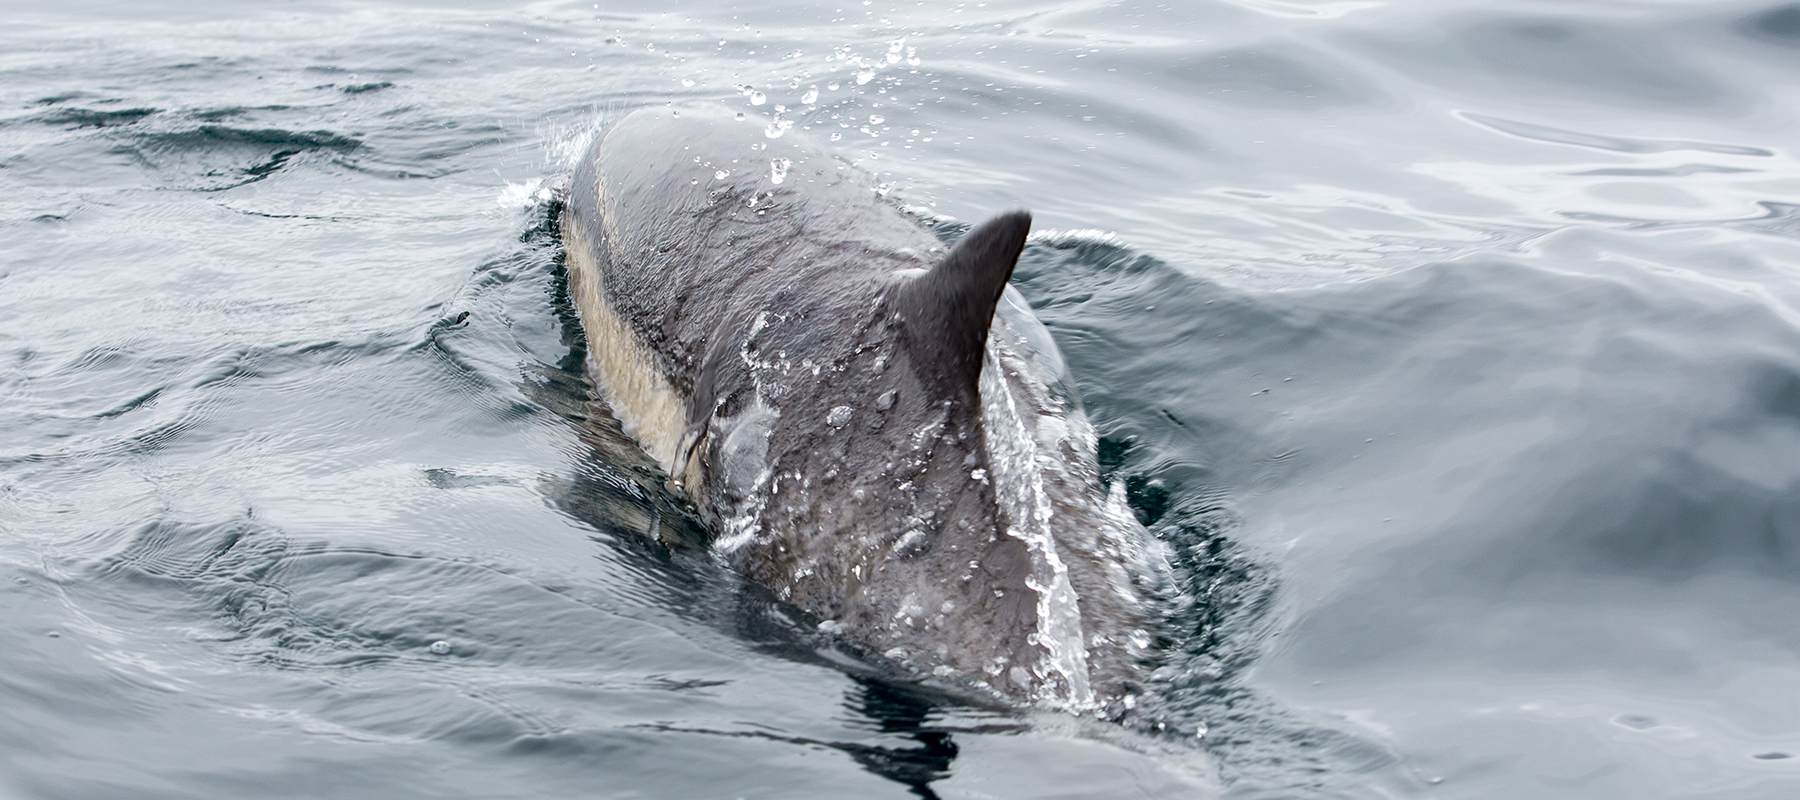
point(1452, 347)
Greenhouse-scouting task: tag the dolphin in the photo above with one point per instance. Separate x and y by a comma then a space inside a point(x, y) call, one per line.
point(872, 425)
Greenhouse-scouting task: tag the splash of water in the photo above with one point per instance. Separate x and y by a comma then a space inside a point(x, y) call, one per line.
point(1019, 488)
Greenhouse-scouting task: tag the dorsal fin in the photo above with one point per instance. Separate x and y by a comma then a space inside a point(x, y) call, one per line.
point(948, 310)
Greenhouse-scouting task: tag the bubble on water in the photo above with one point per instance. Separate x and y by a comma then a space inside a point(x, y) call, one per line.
point(778, 170)
point(811, 96)
point(757, 98)
point(440, 648)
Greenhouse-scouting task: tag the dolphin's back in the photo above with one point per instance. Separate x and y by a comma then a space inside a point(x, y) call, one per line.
point(803, 357)
point(695, 228)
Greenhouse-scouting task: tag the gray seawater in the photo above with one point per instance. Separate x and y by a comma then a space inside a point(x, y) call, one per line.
point(1453, 348)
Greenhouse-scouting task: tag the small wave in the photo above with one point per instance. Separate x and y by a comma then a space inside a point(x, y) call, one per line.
point(209, 137)
point(1055, 238)
point(96, 118)
point(229, 112)
point(1621, 144)
point(211, 158)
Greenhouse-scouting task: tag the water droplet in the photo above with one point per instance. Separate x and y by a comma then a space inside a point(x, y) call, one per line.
point(778, 170)
point(876, 119)
point(757, 98)
point(740, 115)
point(811, 96)
point(687, 81)
point(836, 136)
point(865, 75)
point(886, 400)
point(839, 415)
point(721, 175)
point(832, 86)
point(440, 648)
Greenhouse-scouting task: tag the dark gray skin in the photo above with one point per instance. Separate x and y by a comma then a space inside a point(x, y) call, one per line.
point(816, 356)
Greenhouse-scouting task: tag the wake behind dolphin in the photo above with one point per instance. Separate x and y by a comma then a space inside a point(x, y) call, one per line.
point(874, 427)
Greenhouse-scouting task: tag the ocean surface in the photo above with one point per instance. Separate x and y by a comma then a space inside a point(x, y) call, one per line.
point(1451, 348)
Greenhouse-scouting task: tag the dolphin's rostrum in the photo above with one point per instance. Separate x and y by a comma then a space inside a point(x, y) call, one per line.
point(835, 393)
